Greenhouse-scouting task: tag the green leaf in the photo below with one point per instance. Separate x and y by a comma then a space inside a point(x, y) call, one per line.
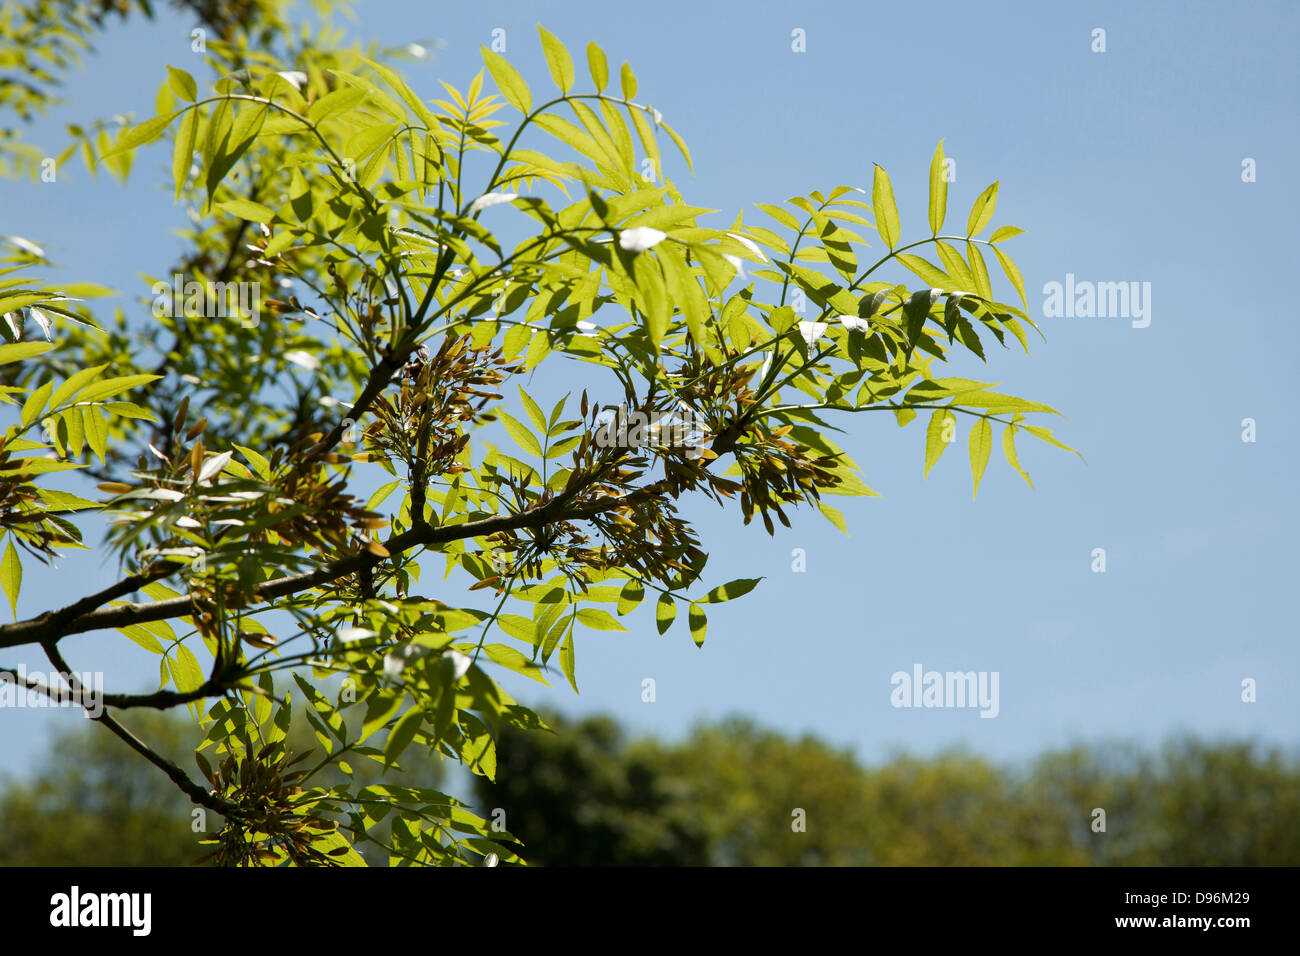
point(508, 81)
point(780, 215)
point(534, 411)
point(598, 619)
point(686, 293)
point(938, 190)
point(142, 637)
point(66, 500)
point(1013, 274)
point(562, 448)
point(1045, 434)
point(730, 591)
point(1004, 232)
point(665, 612)
point(916, 311)
point(925, 270)
point(247, 209)
point(339, 101)
point(183, 149)
point(628, 81)
point(519, 627)
point(1009, 449)
point(22, 300)
point(20, 350)
point(322, 709)
point(34, 407)
point(645, 133)
point(186, 672)
point(96, 429)
point(681, 146)
point(408, 95)
point(631, 596)
point(567, 662)
point(834, 516)
point(159, 592)
point(982, 211)
point(113, 386)
point(374, 96)
point(11, 576)
point(557, 59)
point(882, 201)
point(850, 485)
point(955, 266)
point(260, 465)
point(981, 443)
point(571, 136)
point(699, 623)
point(380, 495)
point(400, 737)
point(979, 271)
point(598, 67)
point(997, 403)
point(522, 436)
point(183, 84)
point(140, 134)
point(35, 466)
point(380, 706)
point(516, 341)
point(556, 412)
point(510, 658)
point(935, 446)
point(554, 635)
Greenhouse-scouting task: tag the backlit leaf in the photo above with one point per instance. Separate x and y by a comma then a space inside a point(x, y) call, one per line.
point(11, 576)
point(981, 443)
point(938, 190)
point(882, 201)
point(982, 211)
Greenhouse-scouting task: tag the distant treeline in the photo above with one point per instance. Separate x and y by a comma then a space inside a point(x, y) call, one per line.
point(736, 794)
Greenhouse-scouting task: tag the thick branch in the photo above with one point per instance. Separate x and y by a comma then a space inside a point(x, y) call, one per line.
point(53, 626)
point(165, 699)
point(50, 623)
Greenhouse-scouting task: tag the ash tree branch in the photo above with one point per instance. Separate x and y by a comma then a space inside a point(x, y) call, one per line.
point(177, 776)
point(84, 615)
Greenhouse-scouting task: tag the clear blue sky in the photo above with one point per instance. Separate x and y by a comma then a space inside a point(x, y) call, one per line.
point(1121, 166)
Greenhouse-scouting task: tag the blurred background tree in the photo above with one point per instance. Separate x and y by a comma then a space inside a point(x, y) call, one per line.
point(91, 805)
point(585, 797)
point(728, 795)
point(95, 803)
point(591, 795)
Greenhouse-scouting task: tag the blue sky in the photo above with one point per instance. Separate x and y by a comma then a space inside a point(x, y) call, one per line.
point(1121, 166)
